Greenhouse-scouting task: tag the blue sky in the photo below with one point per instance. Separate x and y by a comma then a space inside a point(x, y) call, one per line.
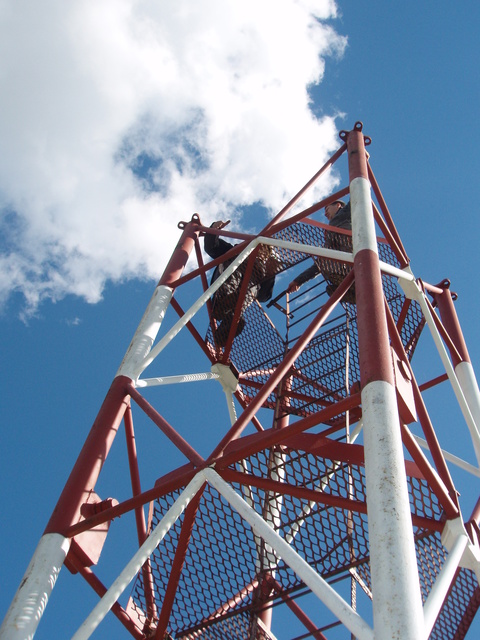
point(85, 238)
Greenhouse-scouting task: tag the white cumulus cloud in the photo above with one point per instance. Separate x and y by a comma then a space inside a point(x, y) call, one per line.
point(122, 117)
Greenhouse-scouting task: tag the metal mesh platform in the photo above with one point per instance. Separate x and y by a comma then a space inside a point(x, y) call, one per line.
point(261, 346)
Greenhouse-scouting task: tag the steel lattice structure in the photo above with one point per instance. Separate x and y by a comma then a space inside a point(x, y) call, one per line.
point(325, 421)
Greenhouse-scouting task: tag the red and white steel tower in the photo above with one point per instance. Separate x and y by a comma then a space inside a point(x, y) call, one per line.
point(321, 480)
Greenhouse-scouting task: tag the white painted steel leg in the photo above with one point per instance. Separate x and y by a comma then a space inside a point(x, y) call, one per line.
point(318, 586)
point(466, 466)
point(146, 333)
point(467, 407)
point(397, 603)
point(469, 385)
point(443, 583)
point(181, 379)
point(396, 591)
point(229, 384)
point(34, 592)
point(138, 560)
point(363, 225)
point(273, 507)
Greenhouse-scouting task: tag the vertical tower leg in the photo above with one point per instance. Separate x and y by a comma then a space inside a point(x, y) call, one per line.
point(461, 362)
point(273, 505)
point(34, 592)
point(397, 605)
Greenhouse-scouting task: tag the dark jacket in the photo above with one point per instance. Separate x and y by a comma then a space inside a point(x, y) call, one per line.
point(261, 285)
point(341, 220)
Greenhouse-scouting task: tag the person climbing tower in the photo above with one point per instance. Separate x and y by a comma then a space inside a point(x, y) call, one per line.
point(225, 299)
point(339, 215)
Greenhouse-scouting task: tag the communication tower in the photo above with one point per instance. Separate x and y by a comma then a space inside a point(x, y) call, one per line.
point(319, 490)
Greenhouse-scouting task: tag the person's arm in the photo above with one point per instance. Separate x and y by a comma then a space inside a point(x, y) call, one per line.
point(305, 276)
point(214, 245)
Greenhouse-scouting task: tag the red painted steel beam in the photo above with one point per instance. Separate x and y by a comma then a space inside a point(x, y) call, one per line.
point(316, 385)
point(201, 264)
point(230, 254)
point(375, 364)
point(181, 253)
point(476, 513)
point(286, 489)
point(204, 280)
point(234, 601)
point(452, 340)
point(241, 449)
point(302, 215)
point(224, 232)
point(238, 307)
point(324, 447)
point(298, 611)
point(392, 230)
point(304, 189)
point(452, 325)
point(197, 337)
point(311, 495)
point(433, 444)
point(88, 466)
point(401, 321)
point(139, 513)
point(295, 395)
point(170, 483)
point(389, 237)
point(241, 400)
point(433, 382)
point(403, 314)
point(134, 472)
point(431, 288)
point(171, 433)
point(451, 505)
